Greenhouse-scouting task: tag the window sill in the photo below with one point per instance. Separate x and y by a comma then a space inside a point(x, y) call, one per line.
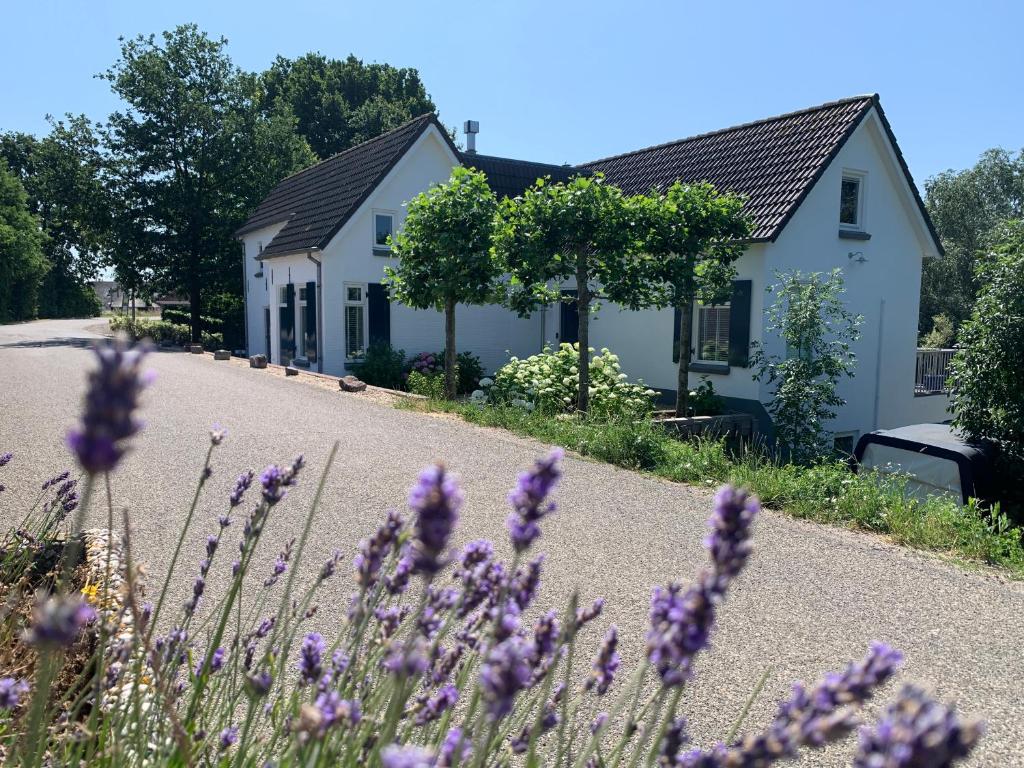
point(719, 368)
point(378, 251)
point(853, 234)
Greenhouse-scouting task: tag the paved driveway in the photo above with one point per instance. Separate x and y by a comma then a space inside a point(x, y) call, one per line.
point(812, 597)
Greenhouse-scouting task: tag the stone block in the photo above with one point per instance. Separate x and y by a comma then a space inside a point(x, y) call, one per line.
point(222, 354)
point(351, 384)
point(258, 361)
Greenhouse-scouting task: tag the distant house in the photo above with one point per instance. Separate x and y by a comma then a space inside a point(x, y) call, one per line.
point(826, 187)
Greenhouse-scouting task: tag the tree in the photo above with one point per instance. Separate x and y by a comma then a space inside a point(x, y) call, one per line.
point(339, 103)
point(444, 254)
point(691, 238)
point(191, 156)
point(61, 173)
point(22, 263)
point(967, 207)
point(809, 317)
point(583, 230)
point(987, 396)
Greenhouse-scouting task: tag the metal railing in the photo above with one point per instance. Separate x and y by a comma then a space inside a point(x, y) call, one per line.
point(932, 371)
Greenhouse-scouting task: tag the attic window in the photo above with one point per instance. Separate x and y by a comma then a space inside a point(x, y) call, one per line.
point(383, 228)
point(850, 208)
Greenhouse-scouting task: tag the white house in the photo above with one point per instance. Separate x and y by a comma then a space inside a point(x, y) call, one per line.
point(826, 187)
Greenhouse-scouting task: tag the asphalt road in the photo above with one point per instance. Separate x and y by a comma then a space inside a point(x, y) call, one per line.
point(812, 597)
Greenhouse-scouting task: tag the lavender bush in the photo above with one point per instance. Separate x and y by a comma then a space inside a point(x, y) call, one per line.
point(446, 658)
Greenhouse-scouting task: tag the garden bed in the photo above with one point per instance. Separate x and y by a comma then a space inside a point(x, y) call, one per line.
point(731, 425)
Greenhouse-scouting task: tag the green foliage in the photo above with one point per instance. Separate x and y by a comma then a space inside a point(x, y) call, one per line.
point(942, 335)
point(704, 401)
point(430, 385)
point(987, 396)
point(338, 103)
point(809, 317)
point(381, 366)
point(967, 208)
point(189, 158)
point(469, 371)
point(444, 253)
point(22, 263)
point(547, 382)
point(161, 331)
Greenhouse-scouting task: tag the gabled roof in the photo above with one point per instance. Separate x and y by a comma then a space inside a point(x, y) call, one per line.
point(510, 178)
point(316, 202)
point(773, 162)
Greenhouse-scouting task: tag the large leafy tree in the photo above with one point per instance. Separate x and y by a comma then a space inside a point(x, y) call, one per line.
point(582, 232)
point(444, 254)
point(691, 240)
point(22, 263)
point(190, 156)
point(339, 103)
point(967, 207)
point(62, 173)
point(810, 318)
point(987, 396)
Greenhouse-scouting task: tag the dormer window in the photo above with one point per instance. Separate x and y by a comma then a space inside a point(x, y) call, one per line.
point(851, 196)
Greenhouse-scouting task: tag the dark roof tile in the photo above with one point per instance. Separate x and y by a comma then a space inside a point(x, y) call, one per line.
point(510, 178)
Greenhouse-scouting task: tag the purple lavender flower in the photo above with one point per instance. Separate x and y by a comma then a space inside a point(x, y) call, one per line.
point(475, 553)
point(216, 662)
point(198, 587)
point(5, 458)
point(454, 750)
point(916, 731)
point(730, 523)
point(389, 619)
point(398, 581)
point(55, 480)
point(505, 619)
point(599, 722)
point(228, 737)
point(372, 551)
point(443, 700)
point(330, 565)
point(445, 661)
point(11, 690)
point(311, 657)
point(524, 585)
point(332, 709)
point(606, 663)
point(259, 683)
point(409, 756)
point(529, 499)
point(673, 740)
point(275, 480)
point(504, 672)
point(57, 621)
point(436, 499)
point(280, 564)
point(111, 399)
point(545, 635)
point(241, 486)
point(586, 615)
point(407, 659)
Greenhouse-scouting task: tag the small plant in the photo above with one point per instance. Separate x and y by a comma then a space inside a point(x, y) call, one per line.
point(809, 316)
point(942, 335)
point(704, 401)
point(429, 385)
point(548, 381)
point(381, 366)
point(161, 331)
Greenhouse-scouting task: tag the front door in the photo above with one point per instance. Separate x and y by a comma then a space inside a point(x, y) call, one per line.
point(569, 319)
point(266, 330)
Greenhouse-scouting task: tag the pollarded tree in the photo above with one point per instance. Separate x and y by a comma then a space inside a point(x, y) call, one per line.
point(818, 332)
point(691, 240)
point(582, 231)
point(444, 254)
point(987, 397)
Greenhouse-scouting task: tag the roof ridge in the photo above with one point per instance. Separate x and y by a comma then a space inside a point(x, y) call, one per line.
point(873, 97)
point(336, 155)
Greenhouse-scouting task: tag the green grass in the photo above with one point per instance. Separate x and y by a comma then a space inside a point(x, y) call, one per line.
point(825, 493)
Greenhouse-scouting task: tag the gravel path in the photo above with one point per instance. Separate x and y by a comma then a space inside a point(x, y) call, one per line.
point(812, 598)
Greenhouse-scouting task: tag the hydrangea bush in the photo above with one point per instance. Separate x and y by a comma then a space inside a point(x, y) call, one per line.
point(446, 658)
point(548, 382)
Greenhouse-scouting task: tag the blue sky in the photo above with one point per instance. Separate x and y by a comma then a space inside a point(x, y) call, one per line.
point(574, 81)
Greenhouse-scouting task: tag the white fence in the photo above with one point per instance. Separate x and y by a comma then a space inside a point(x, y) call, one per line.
point(932, 371)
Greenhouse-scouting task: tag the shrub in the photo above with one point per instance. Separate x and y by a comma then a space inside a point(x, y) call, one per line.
point(547, 381)
point(385, 682)
point(430, 385)
point(381, 366)
point(942, 335)
point(469, 370)
point(704, 401)
point(160, 331)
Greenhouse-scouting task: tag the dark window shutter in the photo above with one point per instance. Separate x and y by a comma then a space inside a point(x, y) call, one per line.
point(309, 342)
point(287, 317)
point(739, 324)
point(379, 311)
point(677, 315)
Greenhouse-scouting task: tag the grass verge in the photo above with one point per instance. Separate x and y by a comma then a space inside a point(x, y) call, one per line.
point(826, 493)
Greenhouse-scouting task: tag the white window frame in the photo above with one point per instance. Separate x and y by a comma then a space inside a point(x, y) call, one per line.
point(698, 347)
point(861, 177)
point(362, 303)
point(373, 229)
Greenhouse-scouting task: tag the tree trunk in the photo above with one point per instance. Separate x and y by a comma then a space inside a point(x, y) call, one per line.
point(583, 310)
point(451, 378)
point(683, 377)
point(194, 309)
